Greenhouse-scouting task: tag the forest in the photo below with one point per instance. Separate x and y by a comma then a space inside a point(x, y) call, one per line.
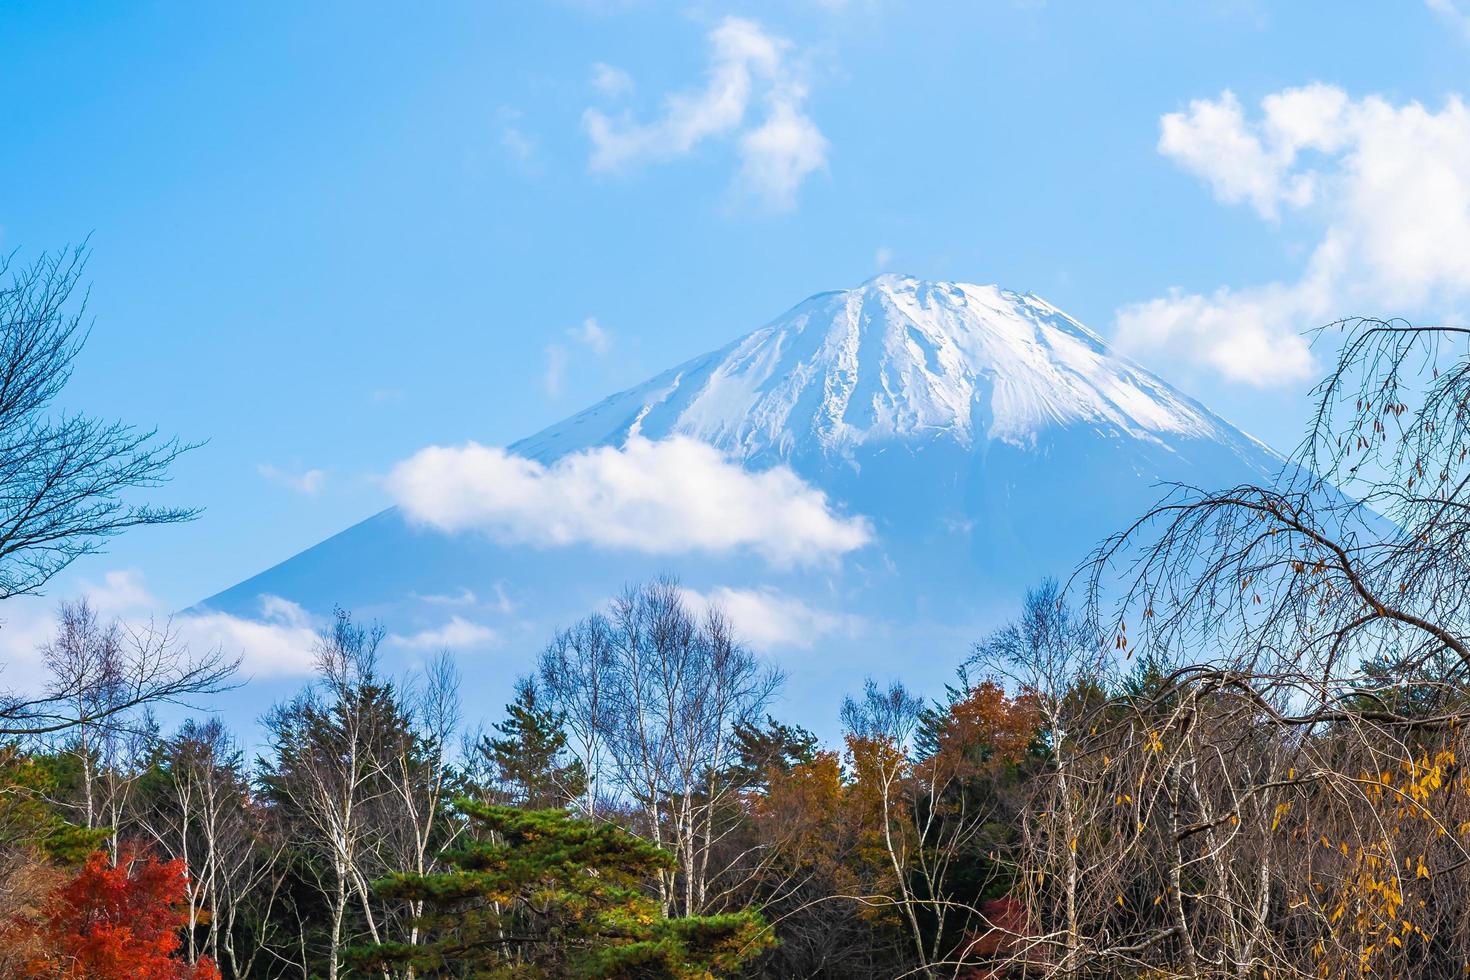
point(1231, 744)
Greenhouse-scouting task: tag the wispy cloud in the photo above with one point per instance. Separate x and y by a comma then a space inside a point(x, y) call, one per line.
point(553, 379)
point(669, 497)
point(523, 148)
point(464, 597)
point(457, 634)
point(748, 68)
point(611, 81)
point(592, 335)
point(277, 640)
point(310, 482)
point(1453, 13)
point(767, 617)
point(1385, 186)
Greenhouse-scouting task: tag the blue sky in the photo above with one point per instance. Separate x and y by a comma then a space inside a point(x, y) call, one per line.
point(325, 236)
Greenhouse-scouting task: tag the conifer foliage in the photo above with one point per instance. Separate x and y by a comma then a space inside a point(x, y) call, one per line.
point(529, 760)
point(542, 893)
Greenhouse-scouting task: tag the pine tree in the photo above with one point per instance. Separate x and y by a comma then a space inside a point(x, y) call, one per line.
point(541, 893)
point(529, 759)
point(773, 748)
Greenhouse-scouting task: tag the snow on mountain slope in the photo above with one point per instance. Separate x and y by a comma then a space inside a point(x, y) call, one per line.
point(981, 440)
point(895, 359)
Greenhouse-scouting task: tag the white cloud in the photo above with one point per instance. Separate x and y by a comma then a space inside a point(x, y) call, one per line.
point(882, 258)
point(1251, 336)
point(309, 482)
point(1384, 187)
point(780, 153)
point(522, 147)
point(767, 617)
point(611, 81)
point(457, 634)
point(668, 497)
point(464, 597)
point(503, 602)
point(28, 622)
point(556, 370)
point(121, 591)
point(1452, 13)
point(593, 336)
point(747, 66)
point(280, 643)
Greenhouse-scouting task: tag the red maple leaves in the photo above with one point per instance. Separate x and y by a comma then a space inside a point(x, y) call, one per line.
point(116, 922)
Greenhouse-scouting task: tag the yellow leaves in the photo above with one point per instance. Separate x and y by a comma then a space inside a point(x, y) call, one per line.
point(1073, 845)
point(1154, 743)
point(1344, 849)
point(1281, 810)
point(1423, 870)
point(1325, 841)
point(1119, 902)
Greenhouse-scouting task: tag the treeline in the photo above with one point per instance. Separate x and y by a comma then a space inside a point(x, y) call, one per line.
point(1239, 753)
point(636, 812)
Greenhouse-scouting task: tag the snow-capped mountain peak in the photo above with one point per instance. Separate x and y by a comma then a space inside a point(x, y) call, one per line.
point(896, 358)
point(947, 445)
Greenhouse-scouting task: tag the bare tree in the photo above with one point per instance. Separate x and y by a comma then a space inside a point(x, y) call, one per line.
point(204, 814)
point(63, 477)
point(880, 730)
point(1276, 788)
point(417, 767)
point(576, 670)
point(653, 694)
point(327, 767)
point(101, 675)
point(1361, 546)
point(360, 767)
point(1057, 660)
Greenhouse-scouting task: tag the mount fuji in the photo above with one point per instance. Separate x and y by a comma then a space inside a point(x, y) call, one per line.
point(865, 484)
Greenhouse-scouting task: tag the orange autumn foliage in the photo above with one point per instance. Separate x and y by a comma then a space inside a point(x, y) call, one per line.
point(985, 718)
point(116, 922)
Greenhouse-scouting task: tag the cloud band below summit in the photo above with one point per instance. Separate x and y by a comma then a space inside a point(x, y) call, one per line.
point(672, 496)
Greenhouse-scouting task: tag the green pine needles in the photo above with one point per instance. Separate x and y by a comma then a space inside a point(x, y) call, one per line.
point(540, 893)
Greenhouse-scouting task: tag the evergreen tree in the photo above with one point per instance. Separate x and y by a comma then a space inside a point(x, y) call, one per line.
point(539, 893)
point(29, 819)
point(774, 747)
point(529, 760)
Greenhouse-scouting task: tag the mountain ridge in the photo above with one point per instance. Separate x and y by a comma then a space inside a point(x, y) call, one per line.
point(945, 345)
point(985, 438)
